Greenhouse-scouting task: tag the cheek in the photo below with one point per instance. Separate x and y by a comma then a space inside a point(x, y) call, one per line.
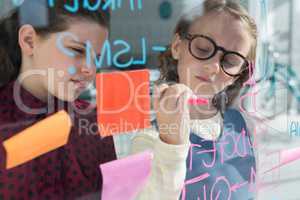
point(228, 80)
point(224, 81)
point(187, 67)
point(93, 77)
point(57, 76)
point(64, 68)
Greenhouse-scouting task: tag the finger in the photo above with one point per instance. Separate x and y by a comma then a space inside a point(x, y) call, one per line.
point(182, 87)
point(161, 87)
point(185, 116)
point(171, 96)
point(155, 97)
point(162, 90)
point(158, 92)
point(168, 101)
point(183, 102)
point(173, 89)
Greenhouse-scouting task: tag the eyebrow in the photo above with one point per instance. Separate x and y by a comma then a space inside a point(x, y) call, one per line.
point(234, 49)
point(80, 43)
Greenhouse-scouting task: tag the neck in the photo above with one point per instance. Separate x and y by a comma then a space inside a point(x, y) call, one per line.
point(32, 83)
point(198, 113)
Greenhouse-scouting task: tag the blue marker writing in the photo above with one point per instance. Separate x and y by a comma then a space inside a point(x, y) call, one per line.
point(126, 49)
point(73, 8)
point(109, 3)
point(106, 50)
point(159, 48)
point(17, 2)
point(112, 4)
point(132, 7)
point(72, 70)
point(51, 3)
point(59, 43)
point(144, 54)
point(87, 5)
point(294, 129)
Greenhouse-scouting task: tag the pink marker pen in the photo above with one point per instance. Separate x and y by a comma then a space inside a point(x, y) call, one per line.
point(198, 101)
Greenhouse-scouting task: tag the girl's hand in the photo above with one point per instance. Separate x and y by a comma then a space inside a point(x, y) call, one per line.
point(172, 112)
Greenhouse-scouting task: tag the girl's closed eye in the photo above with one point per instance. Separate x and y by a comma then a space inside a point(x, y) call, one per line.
point(229, 63)
point(205, 50)
point(232, 62)
point(78, 51)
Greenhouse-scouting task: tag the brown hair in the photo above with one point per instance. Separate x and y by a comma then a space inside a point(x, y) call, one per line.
point(29, 12)
point(168, 65)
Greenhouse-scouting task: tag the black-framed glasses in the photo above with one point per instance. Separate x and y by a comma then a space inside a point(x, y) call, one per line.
point(203, 47)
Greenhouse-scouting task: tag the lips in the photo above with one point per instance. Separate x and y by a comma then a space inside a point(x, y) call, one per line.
point(204, 79)
point(80, 83)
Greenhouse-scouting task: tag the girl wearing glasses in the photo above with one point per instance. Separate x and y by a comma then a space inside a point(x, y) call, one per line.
point(207, 148)
point(43, 62)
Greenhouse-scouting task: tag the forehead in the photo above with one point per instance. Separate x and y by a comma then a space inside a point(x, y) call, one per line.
point(226, 30)
point(88, 31)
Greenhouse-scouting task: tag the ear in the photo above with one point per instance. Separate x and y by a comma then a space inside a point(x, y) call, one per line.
point(27, 39)
point(175, 46)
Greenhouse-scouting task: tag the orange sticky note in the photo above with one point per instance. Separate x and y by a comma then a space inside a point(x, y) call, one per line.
point(46, 135)
point(123, 101)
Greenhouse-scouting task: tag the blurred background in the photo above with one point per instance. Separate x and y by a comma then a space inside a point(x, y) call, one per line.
point(149, 30)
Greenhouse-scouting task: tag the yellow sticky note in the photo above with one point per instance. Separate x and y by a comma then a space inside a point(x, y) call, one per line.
point(44, 136)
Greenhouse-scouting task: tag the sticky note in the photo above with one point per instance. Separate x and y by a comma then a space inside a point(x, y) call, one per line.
point(123, 101)
point(286, 157)
point(123, 179)
point(44, 136)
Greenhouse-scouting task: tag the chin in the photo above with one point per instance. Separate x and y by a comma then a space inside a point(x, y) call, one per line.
point(205, 90)
point(68, 97)
point(207, 94)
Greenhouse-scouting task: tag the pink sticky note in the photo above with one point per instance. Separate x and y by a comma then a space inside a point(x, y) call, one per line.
point(286, 157)
point(123, 179)
point(290, 155)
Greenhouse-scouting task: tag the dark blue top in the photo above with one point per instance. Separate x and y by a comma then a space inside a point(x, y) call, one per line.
point(223, 169)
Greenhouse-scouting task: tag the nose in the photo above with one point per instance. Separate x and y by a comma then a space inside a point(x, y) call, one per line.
point(86, 69)
point(213, 67)
point(87, 72)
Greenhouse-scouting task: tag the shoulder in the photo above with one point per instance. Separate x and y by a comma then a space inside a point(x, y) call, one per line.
point(233, 114)
point(6, 92)
point(7, 103)
point(235, 117)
